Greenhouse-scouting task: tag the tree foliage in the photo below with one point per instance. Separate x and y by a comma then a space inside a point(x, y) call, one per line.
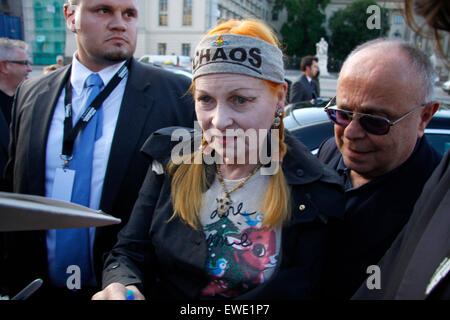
point(304, 25)
point(348, 28)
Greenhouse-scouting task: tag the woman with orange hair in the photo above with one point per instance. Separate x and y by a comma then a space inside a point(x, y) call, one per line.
point(246, 214)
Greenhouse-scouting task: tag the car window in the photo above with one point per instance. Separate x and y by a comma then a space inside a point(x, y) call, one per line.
point(440, 142)
point(312, 136)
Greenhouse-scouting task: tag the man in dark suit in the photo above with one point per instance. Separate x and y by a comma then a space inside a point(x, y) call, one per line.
point(305, 89)
point(142, 101)
point(14, 68)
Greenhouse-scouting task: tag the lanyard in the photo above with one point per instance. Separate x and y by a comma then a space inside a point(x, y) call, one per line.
point(70, 133)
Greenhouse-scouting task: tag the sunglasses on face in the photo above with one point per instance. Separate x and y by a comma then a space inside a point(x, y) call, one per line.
point(22, 62)
point(372, 124)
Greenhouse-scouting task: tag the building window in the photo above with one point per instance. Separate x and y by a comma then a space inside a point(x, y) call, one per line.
point(186, 49)
point(163, 9)
point(398, 19)
point(274, 15)
point(57, 21)
point(162, 48)
point(187, 12)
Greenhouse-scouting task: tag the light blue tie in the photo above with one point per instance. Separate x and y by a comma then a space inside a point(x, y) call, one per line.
point(73, 245)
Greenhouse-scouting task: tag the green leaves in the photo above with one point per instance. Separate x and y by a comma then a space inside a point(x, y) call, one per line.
point(304, 26)
point(349, 28)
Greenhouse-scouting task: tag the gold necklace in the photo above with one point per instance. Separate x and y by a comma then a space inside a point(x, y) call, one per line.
point(223, 204)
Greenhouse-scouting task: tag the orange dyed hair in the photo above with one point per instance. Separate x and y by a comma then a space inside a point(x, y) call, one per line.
point(189, 180)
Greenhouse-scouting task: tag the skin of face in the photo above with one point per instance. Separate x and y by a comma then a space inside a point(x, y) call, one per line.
point(379, 84)
point(15, 72)
point(312, 70)
point(232, 102)
point(105, 31)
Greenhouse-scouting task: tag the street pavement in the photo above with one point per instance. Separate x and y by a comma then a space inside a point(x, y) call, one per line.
point(327, 84)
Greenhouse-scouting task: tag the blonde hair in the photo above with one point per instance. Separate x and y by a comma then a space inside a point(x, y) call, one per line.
point(189, 181)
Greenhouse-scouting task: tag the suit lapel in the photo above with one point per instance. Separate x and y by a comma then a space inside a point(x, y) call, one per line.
point(136, 105)
point(43, 110)
point(307, 85)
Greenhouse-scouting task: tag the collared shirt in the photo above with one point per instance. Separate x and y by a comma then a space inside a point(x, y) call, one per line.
point(102, 147)
point(344, 172)
point(308, 78)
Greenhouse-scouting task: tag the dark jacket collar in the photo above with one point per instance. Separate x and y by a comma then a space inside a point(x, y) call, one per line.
point(422, 153)
point(301, 167)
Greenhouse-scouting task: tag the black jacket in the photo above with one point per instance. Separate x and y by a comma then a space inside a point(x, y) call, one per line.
point(153, 98)
point(302, 90)
point(167, 259)
point(5, 107)
point(375, 213)
point(421, 248)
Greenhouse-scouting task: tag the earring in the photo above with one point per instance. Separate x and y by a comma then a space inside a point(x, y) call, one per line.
point(277, 121)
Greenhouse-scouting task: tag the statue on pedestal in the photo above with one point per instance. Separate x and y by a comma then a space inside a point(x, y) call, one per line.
point(322, 55)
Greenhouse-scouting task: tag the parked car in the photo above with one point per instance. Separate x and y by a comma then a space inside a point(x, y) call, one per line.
point(179, 61)
point(308, 124)
point(446, 86)
point(312, 126)
point(170, 67)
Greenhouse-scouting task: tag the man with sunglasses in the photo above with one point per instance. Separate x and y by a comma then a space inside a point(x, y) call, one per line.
point(14, 68)
point(383, 104)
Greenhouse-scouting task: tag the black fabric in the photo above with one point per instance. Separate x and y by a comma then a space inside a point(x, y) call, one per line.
point(5, 119)
point(375, 214)
point(6, 103)
point(420, 248)
point(301, 90)
point(153, 99)
point(166, 259)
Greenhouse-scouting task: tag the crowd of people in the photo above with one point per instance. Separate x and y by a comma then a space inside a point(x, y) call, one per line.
point(248, 212)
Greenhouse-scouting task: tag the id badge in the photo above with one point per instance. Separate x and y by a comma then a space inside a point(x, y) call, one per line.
point(63, 184)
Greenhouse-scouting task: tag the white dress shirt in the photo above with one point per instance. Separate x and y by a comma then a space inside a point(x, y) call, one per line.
point(102, 147)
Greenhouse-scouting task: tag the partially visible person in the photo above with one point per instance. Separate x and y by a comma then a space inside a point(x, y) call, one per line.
point(50, 68)
point(383, 104)
point(435, 23)
point(232, 227)
point(76, 135)
point(60, 60)
point(305, 89)
point(14, 68)
point(316, 81)
point(418, 263)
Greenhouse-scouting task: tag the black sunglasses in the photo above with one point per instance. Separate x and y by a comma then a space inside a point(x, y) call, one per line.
point(370, 123)
point(22, 62)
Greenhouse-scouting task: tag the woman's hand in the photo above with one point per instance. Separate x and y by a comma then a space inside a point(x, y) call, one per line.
point(117, 291)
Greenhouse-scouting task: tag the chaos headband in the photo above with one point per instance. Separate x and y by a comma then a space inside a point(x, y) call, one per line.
point(230, 53)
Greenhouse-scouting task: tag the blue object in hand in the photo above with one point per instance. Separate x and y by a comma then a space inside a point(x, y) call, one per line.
point(130, 295)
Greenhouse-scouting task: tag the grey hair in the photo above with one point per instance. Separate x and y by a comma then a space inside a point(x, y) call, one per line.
point(7, 47)
point(420, 63)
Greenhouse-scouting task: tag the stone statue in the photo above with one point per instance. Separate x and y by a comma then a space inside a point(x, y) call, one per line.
point(322, 55)
point(322, 47)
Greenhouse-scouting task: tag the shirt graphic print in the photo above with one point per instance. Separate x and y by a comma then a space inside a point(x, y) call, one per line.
point(241, 253)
